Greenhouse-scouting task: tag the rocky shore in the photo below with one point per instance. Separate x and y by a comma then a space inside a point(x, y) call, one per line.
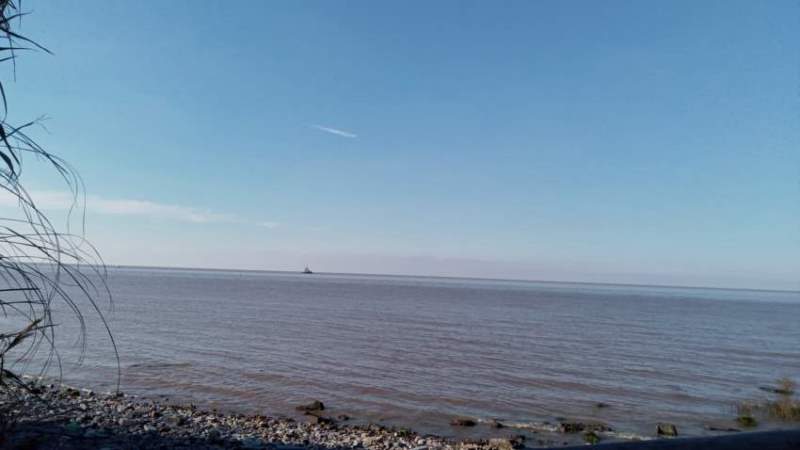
point(54, 416)
point(49, 416)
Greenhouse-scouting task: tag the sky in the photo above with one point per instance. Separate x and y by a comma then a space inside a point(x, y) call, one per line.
point(617, 141)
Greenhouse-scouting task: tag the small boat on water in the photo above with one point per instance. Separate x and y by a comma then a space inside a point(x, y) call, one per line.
point(307, 270)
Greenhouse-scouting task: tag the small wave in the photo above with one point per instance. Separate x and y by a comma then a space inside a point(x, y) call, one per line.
point(547, 427)
point(535, 426)
point(627, 436)
point(159, 365)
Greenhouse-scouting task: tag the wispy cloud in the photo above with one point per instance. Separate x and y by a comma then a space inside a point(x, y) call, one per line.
point(60, 200)
point(335, 131)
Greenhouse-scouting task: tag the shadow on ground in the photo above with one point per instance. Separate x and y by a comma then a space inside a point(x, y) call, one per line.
point(766, 440)
point(51, 435)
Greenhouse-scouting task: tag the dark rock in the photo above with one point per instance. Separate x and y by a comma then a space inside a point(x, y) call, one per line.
point(214, 435)
point(316, 405)
point(599, 427)
point(509, 443)
point(494, 424)
point(722, 428)
point(779, 391)
point(342, 417)
point(571, 427)
point(463, 422)
point(666, 429)
point(591, 437)
point(577, 427)
point(746, 421)
point(176, 420)
point(320, 420)
point(601, 405)
point(477, 444)
point(72, 392)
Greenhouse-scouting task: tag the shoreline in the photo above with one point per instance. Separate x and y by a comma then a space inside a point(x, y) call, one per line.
point(58, 416)
point(65, 417)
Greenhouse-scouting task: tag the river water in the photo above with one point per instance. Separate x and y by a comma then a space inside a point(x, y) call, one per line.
point(414, 352)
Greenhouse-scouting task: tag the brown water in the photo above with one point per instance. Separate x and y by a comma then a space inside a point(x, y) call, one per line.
point(416, 351)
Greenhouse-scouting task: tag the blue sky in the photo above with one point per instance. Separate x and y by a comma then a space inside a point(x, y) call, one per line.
point(632, 141)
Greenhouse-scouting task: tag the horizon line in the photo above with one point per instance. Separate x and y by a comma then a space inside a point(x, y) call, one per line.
point(524, 280)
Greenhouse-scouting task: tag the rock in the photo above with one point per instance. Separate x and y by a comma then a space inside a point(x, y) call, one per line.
point(598, 427)
point(176, 420)
point(577, 427)
point(213, 435)
point(320, 420)
point(779, 391)
point(571, 427)
point(601, 405)
point(507, 443)
point(315, 412)
point(721, 428)
point(746, 421)
point(666, 429)
point(316, 405)
point(470, 444)
point(371, 440)
point(494, 424)
point(342, 417)
point(591, 437)
point(72, 392)
point(463, 422)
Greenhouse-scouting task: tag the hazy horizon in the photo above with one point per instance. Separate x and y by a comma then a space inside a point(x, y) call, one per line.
point(411, 274)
